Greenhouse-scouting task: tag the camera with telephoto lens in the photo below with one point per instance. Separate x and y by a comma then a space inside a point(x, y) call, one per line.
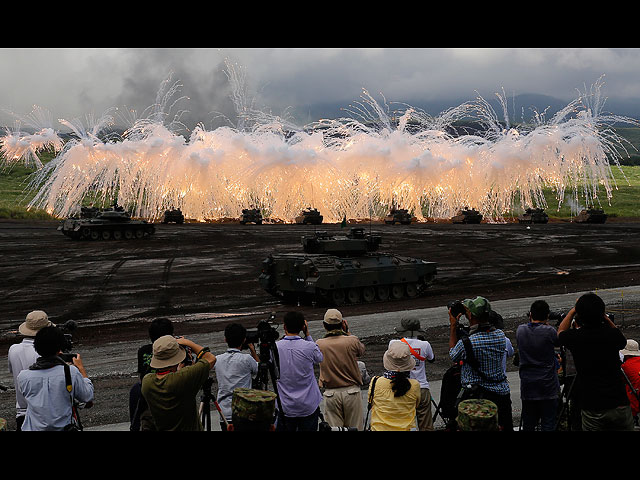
point(189, 358)
point(558, 316)
point(264, 333)
point(67, 329)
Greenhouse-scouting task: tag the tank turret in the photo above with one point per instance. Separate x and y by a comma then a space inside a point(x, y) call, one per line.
point(399, 215)
point(173, 215)
point(591, 215)
point(251, 215)
point(467, 215)
point(533, 215)
point(309, 216)
point(338, 269)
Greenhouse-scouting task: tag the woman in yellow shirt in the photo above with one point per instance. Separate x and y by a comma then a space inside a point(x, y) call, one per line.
point(395, 395)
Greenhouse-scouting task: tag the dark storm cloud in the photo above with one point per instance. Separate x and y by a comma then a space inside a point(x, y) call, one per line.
point(74, 82)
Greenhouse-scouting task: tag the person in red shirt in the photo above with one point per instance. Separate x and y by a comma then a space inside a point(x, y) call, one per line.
point(631, 368)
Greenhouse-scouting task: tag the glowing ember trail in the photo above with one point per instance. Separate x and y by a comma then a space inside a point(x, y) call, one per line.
point(357, 166)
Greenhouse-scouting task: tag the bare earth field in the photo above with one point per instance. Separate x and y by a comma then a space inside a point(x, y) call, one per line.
point(203, 276)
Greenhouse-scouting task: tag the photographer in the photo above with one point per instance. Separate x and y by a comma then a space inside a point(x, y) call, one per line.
point(482, 350)
point(22, 355)
point(340, 375)
point(44, 384)
point(139, 414)
point(298, 389)
point(234, 369)
point(599, 384)
point(539, 382)
point(170, 389)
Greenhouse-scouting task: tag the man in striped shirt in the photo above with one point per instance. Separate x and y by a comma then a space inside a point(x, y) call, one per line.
point(482, 352)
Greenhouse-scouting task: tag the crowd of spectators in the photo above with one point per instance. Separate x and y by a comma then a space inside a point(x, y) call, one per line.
point(583, 364)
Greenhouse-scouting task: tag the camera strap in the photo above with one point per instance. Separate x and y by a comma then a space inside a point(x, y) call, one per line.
point(75, 418)
point(370, 401)
point(472, 361)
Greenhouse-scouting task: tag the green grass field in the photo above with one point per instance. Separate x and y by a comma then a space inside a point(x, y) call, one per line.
point(624, 203)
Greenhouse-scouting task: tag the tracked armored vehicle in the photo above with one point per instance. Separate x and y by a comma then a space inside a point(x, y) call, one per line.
point(251, 215)
point(533, 215)
point(467, 215)
point(591, 215)
point(174, 216)
point(339, 269)
point(111, 223)
point(309, 216)
point(399, 215)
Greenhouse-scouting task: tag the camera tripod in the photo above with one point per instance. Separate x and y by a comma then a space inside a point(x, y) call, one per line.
point(268, 368)
point(205, 405)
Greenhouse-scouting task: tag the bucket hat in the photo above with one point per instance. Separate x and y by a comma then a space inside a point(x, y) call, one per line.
point(35, 321)
point(167, 352)
point(398, 358)
point(409, 325)
point(631, 349)
point(333, 317)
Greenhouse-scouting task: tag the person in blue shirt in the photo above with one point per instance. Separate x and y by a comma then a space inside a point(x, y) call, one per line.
point(485, 377)
point(44, 387)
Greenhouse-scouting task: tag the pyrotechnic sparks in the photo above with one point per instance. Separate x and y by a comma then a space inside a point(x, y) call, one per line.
point(357, 166)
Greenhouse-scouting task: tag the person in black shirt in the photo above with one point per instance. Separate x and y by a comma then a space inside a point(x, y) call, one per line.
point(595, 345)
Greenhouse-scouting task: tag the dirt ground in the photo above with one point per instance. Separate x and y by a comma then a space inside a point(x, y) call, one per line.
point(205, 275)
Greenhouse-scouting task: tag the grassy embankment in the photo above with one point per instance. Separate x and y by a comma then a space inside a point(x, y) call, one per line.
point(625, 201)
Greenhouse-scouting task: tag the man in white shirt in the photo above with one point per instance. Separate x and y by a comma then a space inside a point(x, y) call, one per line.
point(422, 352)
point(234, 369)
point(22, 355)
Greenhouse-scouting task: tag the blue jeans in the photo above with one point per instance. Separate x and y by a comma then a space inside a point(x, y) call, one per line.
point(539, 411)
point(298, 424)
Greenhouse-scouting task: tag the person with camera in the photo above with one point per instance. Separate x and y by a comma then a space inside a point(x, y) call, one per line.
point(139, 415)
point(599, 384)
point(297, 386)
point(171, 387)
point(22, 355)
point(538, 369)
point(51, 386)
point(422, 352)
point(340, 375)
point(482, 351)
point(234, 369)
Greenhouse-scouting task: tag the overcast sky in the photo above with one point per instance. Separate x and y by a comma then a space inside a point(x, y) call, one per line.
point(73, 83)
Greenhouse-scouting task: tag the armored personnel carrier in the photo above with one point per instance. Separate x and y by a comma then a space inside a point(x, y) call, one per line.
point(309, 216)
point(110, 223)
point(174, 216)
point(533, 215)
point(251, 215)
point(467, 215)
point(591, 215)
point(339, 269)
point(399, 215)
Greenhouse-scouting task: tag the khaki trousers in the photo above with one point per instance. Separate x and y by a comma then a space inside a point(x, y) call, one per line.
point(423, 412)
point(343, 407)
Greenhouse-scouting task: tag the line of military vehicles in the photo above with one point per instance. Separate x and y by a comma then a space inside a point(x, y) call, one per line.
point(331, 269)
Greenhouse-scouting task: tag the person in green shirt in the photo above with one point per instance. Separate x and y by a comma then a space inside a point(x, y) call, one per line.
point(170, 389)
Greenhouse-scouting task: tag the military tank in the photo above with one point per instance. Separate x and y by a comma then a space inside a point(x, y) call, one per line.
point(399, 215)
point(533, 215)
point(309, 216)
point(467, 215)
point(110, 223)
point(251, 215)
point(175, 216)
point(344, 268)
point(591, 215)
